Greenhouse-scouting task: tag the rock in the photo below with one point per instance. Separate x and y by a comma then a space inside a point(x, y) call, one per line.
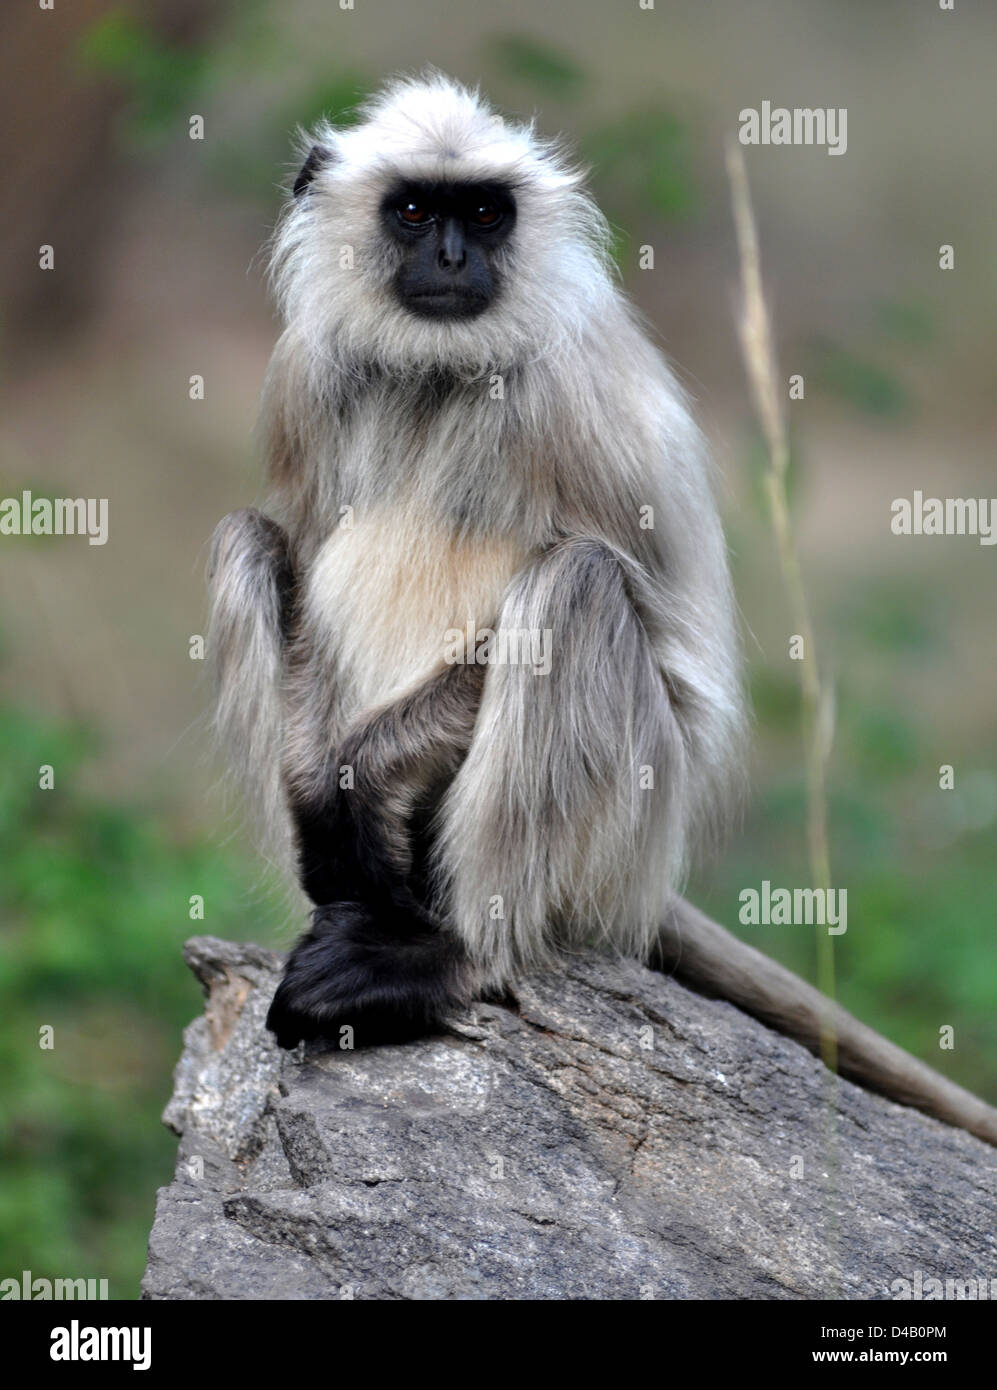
point(615, 1136)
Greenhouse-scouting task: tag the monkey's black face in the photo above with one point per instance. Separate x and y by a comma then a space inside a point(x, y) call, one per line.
point(449, 234)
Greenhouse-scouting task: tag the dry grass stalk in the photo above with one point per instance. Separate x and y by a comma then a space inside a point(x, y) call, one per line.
point(758, 350)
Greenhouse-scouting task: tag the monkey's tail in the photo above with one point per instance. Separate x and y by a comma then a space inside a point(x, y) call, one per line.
point(251, 586)
point(713, 962)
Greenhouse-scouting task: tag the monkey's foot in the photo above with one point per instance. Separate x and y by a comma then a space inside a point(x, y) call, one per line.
point(389, 978)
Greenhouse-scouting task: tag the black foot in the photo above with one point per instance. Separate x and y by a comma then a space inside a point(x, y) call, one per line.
point(389, 978)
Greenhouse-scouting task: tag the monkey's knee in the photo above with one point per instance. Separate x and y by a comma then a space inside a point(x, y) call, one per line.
point(580, 578)
point(582, 596)
point(245, 540)
point(249, 570)
point(582, 557)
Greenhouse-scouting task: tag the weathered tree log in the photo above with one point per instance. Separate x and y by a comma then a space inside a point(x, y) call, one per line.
point(615, 1136)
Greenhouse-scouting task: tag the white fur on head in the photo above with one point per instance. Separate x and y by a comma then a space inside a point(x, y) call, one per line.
point(333, 266)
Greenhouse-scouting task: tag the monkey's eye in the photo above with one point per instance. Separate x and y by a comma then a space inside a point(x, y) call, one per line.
point(485, 215)
point(413, 214)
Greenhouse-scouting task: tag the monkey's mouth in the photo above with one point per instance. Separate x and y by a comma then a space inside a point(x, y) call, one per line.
point(446, 304)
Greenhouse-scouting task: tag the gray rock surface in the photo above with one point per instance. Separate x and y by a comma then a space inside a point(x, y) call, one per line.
point(613, 1137)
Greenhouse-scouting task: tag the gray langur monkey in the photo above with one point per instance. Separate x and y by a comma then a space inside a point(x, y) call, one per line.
point(482, 670)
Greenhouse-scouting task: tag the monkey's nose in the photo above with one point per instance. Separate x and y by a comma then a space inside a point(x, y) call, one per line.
point(452, 255)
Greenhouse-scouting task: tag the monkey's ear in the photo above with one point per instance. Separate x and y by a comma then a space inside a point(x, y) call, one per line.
point(318, 156)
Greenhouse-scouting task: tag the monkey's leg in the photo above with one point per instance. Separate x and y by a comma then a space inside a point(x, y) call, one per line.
point(566, 816)
point(251, 587)
point(376, 958)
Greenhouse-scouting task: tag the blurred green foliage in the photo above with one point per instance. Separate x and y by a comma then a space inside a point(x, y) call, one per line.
point(866, 385)
point(643, 159)
point(907, 616)
point(917, 861)
point(94, 905)
point(251, 167)
point(871, 378)
point(544, 70)
point(335, 100)
point(644, 163)
point(160, 78)
point(907, 322)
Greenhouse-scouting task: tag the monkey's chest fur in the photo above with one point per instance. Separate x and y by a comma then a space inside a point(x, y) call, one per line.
point(383, 593)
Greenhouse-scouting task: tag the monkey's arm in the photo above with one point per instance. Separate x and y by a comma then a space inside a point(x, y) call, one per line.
point(377, 958)
point(359, 834)
point(713, 962)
